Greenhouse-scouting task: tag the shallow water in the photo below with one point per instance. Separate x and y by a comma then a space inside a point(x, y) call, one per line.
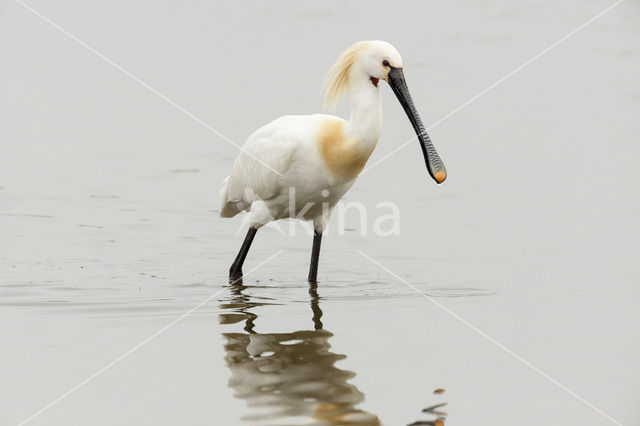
point(521, 268)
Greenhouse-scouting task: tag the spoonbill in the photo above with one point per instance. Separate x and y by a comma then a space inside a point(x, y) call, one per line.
point(299, 166)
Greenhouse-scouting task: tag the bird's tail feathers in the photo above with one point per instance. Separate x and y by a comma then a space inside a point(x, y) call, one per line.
point(228, 208)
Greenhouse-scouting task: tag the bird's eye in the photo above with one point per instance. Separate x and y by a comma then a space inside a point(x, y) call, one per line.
point(386, 63)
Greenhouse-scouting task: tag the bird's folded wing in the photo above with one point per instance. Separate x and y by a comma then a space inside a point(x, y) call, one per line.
point(257, 172)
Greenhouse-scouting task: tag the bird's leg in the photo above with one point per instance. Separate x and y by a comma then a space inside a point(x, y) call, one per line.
point(235, 272)
point(315, 254)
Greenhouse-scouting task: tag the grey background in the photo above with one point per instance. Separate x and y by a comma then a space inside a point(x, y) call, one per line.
point(108, 199)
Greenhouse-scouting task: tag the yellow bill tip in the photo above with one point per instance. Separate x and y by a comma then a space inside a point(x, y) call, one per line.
point(440, 176)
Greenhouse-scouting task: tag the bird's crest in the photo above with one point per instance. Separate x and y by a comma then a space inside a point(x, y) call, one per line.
point(336, 83)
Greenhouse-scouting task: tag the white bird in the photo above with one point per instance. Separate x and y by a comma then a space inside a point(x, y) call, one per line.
point(300, 166)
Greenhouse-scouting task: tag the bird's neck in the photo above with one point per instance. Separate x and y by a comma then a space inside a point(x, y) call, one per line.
point(366, 114)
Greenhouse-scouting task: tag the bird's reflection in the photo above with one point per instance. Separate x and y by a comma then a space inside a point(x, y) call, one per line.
point(289, 376)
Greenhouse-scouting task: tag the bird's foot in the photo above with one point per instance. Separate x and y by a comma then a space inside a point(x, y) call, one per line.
point(235, 276)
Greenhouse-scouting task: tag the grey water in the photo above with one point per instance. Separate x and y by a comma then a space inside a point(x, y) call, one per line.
point(513, 286)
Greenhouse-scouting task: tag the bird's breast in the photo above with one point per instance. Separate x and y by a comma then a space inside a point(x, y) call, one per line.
point(344, 157)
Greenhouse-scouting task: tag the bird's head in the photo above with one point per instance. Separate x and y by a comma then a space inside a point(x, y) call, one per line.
point(375, 60)
point(368, 62)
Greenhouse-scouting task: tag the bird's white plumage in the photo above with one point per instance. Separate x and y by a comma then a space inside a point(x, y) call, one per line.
point(293, 150)
point(275, 145)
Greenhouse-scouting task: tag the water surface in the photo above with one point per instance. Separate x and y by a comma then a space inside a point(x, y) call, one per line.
point(109, 229)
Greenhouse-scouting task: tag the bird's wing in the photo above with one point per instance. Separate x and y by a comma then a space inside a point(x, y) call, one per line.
point(264, 159)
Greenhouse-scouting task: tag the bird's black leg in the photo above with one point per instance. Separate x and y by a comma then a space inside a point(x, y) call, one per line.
point(315, 254)
point(235, 272)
